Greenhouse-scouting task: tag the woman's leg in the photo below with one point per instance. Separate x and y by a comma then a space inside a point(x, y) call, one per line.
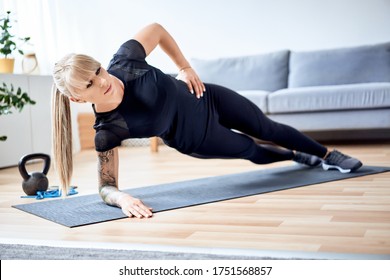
point(236, 112)
point(221, 142)
point(233, 111)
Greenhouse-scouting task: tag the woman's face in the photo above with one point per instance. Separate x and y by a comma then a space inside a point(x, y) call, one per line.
point(102, 89)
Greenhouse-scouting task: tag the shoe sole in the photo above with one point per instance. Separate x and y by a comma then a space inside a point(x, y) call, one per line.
point(328, 167)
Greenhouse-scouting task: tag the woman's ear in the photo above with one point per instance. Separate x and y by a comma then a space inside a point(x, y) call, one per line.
point(71, 98)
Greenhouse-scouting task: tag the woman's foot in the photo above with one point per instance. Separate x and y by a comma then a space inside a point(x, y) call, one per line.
point(306, 159)
point(344, 163)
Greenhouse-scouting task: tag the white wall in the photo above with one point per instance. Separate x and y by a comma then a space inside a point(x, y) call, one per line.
point(203, 28)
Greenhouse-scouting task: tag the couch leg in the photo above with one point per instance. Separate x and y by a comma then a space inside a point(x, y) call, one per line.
point(154, 144)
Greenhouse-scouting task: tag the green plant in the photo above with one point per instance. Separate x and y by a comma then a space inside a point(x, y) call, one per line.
point(7, 43)
point(9, 100)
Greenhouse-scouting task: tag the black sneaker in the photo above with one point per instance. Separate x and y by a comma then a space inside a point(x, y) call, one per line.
point(307, 159)
point(344, 163)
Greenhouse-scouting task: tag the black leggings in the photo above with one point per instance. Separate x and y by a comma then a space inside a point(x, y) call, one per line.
point(234, 112)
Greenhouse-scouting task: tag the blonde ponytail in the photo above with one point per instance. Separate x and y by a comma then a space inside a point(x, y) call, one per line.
point(72, 72)
point(62, 138)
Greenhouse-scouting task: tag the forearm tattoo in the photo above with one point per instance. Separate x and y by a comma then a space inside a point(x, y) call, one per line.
point(106, 168)
point(108, 188)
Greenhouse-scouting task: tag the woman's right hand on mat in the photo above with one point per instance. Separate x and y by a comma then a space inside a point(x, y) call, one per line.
point(134, 207)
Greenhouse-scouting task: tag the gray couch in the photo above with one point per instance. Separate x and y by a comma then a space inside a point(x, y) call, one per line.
point(338, 93)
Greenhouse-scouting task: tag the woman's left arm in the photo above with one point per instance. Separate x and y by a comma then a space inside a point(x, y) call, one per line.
point(155, 35)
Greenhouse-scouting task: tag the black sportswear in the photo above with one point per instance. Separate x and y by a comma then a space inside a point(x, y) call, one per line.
point(156, 104)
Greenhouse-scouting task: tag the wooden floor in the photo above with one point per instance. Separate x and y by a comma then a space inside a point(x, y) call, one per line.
point(348, 216)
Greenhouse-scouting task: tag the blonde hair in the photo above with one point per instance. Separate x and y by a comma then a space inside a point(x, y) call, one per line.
point(72, 72)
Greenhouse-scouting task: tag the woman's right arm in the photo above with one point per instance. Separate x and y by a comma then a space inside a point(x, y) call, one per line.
point(108, 165)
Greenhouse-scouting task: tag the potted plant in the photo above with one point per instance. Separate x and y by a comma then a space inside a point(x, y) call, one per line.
point(10, 100)
point(8, 45)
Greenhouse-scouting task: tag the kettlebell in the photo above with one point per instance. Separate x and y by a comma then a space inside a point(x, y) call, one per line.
point(35, 181)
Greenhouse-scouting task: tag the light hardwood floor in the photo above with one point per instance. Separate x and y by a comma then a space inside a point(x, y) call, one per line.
point(348, 216)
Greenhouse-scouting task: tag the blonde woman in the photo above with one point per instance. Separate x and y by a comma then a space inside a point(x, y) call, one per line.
point(133, 99)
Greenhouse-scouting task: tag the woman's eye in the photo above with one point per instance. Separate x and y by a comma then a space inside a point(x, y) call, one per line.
point(89, 84)
point(98, 71)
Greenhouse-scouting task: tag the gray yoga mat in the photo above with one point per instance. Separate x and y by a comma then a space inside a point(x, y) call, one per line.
point(90, 209)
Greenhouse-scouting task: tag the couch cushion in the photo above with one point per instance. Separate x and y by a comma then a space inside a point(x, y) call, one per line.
point(337, 120)
point(364, 64)
point(259, 97)
point(265, 71)
point(330, 98)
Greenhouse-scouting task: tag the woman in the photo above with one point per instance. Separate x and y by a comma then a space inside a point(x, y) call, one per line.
point(134, 99)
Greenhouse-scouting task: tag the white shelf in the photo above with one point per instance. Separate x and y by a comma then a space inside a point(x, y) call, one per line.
point(28, 131)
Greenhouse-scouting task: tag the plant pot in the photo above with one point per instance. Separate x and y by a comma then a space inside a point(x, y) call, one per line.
point(7, 65)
